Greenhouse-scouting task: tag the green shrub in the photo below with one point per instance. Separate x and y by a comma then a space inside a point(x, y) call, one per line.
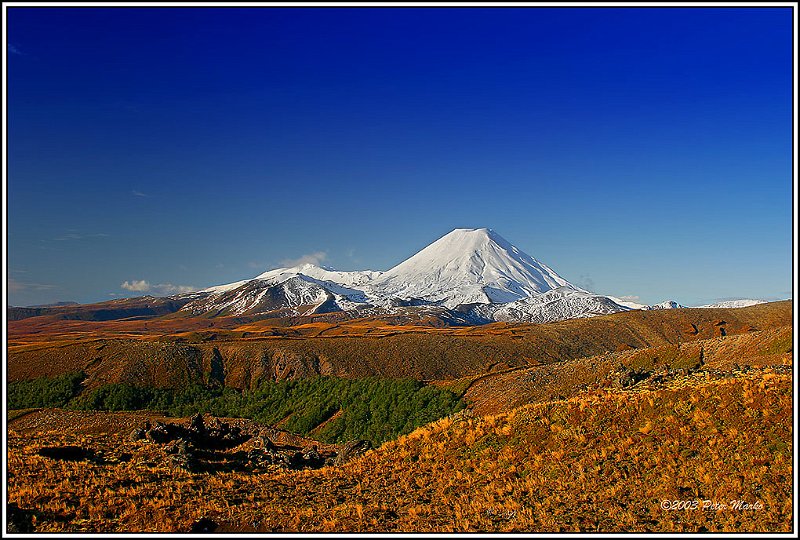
point(122, 397)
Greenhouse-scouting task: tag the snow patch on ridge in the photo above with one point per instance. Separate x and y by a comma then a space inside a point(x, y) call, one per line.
point(348, 279)
point(554, 305)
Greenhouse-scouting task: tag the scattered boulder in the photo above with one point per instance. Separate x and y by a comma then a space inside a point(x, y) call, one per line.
point(182, 455)
point(312, 459)
point(162, 433)
point(204, 525)
point(197, 424)
point(625, 377)
point(264, 442)
point(352, 450)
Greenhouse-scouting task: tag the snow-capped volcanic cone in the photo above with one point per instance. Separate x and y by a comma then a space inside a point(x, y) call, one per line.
point(467, 266)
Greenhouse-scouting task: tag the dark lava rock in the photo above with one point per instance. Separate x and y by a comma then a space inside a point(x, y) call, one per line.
point(259, 458)
point(222, 435)
point(625, 377)
point(312, 458)
point(137, 434)
point(204, 525)
point(265, 443)
point(352, 450)
point(178, 446)
point(18, 520)
point(67, 453)
point(182, 454)
point(295, 461)
point(186, 462)
point(162, 433)
point(197, 424)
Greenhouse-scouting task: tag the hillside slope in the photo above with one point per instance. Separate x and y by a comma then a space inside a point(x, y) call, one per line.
point(131, 352)
point(601, 461)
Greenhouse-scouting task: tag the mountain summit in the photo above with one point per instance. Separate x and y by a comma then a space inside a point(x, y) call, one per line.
point(468, 266)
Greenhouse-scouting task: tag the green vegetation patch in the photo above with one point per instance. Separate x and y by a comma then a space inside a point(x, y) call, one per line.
point(123, 397)
point(780, 345)
point(45, 391)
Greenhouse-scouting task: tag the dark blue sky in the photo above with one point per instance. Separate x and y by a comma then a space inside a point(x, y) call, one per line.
point(639, 151)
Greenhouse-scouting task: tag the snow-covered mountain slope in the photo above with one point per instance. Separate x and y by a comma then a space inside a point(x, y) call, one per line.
point(667, 304)
point(300, 290)
point(294, 296)
point(554, 305)
point(223, 288)
point(467, 266)
point(735, 303)
point(627, 303)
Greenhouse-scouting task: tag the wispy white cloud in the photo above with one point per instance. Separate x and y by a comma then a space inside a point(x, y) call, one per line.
point(629, 298)
point(80, 236)
point(15, 285)
point(139, 193)
point(169, 288)
point(310, 258)
point(586, 282)
point(142, 285)
point(136, 285)
point(13, 49)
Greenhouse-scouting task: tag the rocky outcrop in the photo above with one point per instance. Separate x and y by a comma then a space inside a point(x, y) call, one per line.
point(215, 445)
point(352, 450)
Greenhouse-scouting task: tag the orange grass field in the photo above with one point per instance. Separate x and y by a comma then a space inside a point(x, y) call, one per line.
point(600, 461)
